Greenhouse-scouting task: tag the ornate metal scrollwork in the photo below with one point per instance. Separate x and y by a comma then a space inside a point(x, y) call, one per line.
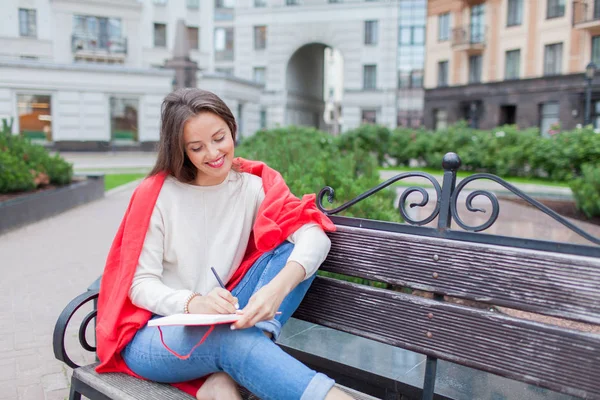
point(330, 193)
point(496, 206)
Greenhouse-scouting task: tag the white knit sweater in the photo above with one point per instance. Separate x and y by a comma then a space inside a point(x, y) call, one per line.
point(194, 228)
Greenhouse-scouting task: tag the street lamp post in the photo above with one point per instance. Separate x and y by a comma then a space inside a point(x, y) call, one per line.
point(590, 71)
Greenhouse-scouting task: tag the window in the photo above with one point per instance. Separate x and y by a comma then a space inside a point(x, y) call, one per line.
point(35, 116)
point(508, 114)
point(596, 50)
point(553, 59)
point(412, 35)
point(225, 71)
point(370, 77)
point(555, 8)
point(477, 31)
point(160, 2)
point(260, 37)
point(263, 119)
point(444, 27)
point(124, 119)
point(97, 33)
point(416, 78)
point(193, 34)
point(260, 3)
point(335, 1)
point(224, 44)
point(160, 35)
point(27, 22)
point(193, 4)
point(260, 75)
point(512, 64)
point(515, 13)
point(371, 28)
point(224, 3)
point(596, 115)
point(291, 2)
point(442, 73)
point(368, 116)
point(440, 119)
point(475, 69)
point(410, 79)
point(548, 117)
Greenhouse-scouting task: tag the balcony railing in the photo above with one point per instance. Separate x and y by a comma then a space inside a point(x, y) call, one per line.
point(469, 37)
point(98, 45)
point(224, 55)
point(586, 13)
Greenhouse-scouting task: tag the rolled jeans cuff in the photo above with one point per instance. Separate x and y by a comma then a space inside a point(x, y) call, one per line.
point(273, 327)
point(318, 387)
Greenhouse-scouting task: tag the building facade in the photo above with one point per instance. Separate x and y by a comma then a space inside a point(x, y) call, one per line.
point(520, 62)
point(91, 74)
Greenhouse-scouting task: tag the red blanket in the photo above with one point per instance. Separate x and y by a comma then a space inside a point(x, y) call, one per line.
point(280, 214)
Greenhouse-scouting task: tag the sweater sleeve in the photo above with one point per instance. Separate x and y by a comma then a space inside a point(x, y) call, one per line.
point(147, 289)
point(311, 244)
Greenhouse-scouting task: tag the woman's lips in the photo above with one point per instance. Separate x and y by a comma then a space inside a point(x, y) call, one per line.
point(217, 164)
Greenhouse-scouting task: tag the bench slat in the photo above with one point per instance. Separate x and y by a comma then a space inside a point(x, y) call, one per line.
point(555, 358)
point(548, 283)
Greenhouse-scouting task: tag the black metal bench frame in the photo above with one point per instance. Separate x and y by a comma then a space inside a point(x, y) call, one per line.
point(447, 263)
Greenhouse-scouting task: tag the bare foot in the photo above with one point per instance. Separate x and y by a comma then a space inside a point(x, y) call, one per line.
point(219, 386)
point(337, 394)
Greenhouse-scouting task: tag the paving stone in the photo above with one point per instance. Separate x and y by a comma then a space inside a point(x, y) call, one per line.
point(8, 369)
point(62, 394)
point(53, 382)
point(30, 392)
point(8, 391)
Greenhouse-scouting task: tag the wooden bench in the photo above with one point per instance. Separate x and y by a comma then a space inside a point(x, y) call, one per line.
point(466, 277)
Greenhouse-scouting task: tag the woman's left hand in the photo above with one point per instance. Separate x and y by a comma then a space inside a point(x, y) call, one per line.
point(262, 306)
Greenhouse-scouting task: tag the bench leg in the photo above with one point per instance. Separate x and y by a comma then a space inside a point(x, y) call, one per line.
point(74, 394)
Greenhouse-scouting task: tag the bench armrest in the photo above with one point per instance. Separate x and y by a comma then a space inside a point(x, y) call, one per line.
point(58, 338)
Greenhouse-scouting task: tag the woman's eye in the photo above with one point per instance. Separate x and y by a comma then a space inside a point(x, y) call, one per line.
point(220, 139)
point(197, 149)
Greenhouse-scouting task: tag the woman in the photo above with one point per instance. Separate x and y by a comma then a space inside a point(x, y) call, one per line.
point(200, 209)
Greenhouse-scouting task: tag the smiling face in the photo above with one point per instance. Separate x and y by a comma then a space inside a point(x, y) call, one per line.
point(209, 146)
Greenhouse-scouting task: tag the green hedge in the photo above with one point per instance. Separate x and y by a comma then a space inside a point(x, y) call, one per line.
point(310, 159)
point(24, 165)
point(586, 190)
point(505, 151)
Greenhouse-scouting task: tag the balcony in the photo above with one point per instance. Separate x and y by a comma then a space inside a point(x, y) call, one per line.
point(470, 38)
point(99, 48)
point(586, 14)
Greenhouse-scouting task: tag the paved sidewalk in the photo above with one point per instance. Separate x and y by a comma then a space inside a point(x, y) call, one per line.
point(45, 265)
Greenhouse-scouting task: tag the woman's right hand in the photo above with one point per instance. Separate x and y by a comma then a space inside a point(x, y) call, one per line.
point(217, 301)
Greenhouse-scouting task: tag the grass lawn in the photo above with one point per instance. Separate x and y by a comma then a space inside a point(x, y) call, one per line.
point(464, 174)
point(111, 181)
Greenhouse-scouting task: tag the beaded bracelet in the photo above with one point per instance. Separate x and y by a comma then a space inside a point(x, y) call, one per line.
point(186, 309)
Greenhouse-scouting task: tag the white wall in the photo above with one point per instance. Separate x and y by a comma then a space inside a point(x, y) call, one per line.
point(80, 96)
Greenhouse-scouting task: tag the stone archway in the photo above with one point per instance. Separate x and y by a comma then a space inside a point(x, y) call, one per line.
point(314, 87)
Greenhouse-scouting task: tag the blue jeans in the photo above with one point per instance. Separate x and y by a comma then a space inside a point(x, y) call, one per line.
point(248, 356)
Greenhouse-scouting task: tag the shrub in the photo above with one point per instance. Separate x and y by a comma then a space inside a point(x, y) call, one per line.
point(586, 190)
point(373, 139)
point(505, 151)
point(21, 158)
point(310, 159)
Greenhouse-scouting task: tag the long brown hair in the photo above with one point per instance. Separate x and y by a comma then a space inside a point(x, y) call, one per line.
point(177, 108)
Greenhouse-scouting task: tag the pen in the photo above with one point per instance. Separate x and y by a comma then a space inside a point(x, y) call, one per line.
point(237, 306)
